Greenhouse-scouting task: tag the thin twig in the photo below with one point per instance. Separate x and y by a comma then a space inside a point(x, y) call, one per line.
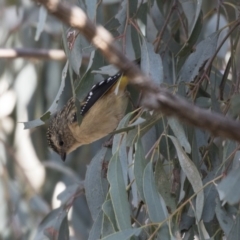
point(52, 54)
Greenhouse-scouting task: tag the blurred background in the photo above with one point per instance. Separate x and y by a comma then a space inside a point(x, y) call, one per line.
point(31, 175)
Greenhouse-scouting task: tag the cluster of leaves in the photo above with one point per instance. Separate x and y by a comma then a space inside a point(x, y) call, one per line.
point(162, 179)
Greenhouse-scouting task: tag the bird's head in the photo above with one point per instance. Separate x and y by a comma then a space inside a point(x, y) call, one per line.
point(59, 136)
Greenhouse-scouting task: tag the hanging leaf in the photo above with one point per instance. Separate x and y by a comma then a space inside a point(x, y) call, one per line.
point(52, 109)
point(151, 63)
point(118, 193)
point(192, 174)
point(204, 51)
point(96, 183)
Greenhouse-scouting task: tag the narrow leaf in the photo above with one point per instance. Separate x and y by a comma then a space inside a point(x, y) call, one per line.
point(204, 50)
point(121, 16)
point(118, 193)
point(95, 183)
point(192, 174)
point(52, 109)
point(139, 166)
point(151, 63)
point(228, 188)
point(192, 10)
point(156, 207)
point(224, 218)
point(109, 212)
point(96, 227)
point(42, 17)
point(91, 9)
point(123, 235)
point(179, 133)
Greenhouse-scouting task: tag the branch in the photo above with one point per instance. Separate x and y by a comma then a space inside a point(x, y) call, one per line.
point(155, 97)
point(53, 54)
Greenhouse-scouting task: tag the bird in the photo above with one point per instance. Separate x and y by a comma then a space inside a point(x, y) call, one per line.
point(101, 111)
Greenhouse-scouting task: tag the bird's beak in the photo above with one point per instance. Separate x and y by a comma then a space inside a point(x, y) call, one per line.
point(63, 156)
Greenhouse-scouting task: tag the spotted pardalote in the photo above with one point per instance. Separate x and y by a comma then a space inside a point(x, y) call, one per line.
point(102, 109)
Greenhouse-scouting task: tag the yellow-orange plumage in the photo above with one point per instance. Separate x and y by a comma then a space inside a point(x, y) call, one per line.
point(100, 116)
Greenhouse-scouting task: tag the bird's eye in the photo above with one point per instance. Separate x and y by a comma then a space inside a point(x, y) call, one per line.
point(60, 143)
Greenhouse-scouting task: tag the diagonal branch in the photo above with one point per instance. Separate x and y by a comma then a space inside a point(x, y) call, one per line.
point(155, 97)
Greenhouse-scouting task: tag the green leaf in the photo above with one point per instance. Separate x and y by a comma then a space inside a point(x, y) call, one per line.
point(86, 82)
point(204, 51)
point(164, 184)
point(136, 42)
point(42, 17)
point(52, 109)
point(151, 63)
point(156, 207)
point(224, 218)
point(235, 233)
point(64, 230)
point(192, 174)
point(192, 9)
point(193, 37)
point(228, 188)
point(62, 169)
point(235, 104)
point(119, 145)
point(91, 9)
point(95, 232)
point(96, 185)
point(69, 194)
point(118, 193)
point(107, 227)
point(75, 54)
point(139, 166)
point(121, 16)
point(179, 133)
point(134, 193)
point(123, 235)
point(50, 225)
point(108, 210)
point(109, 70)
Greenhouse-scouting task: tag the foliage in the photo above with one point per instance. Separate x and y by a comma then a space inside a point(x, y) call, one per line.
point(162, 179)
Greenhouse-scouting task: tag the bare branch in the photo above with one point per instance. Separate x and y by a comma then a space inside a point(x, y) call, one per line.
point(155, 97)
point(53, 54)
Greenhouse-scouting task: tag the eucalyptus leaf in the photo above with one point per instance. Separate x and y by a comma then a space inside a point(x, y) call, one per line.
point(139, 166)
point(192, 10)
point(225, 219)
point(91, 9)
point(118, 193)
point(107, 227)
point(151, 63)
point(121, 16)
point(124, 234)
point(228, 188)
point(107, 208)
point(95, 232)
point(204, 51)
point(42, 17)
point(51, 224)
point(164, 185)
point(179, 132)
point(52, 109)
point(96, 184)
point(192, 174)
point(156, 206)
point(64, 230)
